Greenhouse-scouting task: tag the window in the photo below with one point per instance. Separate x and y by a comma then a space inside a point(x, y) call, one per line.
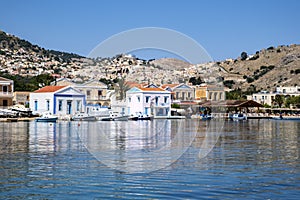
point(78, 107)
point(48, 105)
point(139, 99)
point(88, 93)
point(183, 95)
point(129, 99)
point(99, 92)
point(5, 89)
point(156, 100)
point(165, 99)
point(35, 105)
point(221, 96)
point(59, 105)
point(147, 99)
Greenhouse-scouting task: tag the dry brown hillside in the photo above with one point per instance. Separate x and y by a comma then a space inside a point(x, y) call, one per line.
point(171, 63)
point(266, 69)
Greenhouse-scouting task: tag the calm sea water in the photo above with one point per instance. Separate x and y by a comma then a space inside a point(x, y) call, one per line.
point(254, 159)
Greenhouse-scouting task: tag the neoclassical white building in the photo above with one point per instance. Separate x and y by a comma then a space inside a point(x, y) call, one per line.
point(59, 100)
point(149, 101)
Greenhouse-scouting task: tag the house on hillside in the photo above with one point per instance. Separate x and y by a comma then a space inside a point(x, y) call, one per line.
point(180, 92)
point(59, 100)
point(209, 93)
point(96, 92)
point(265, 97)
point(149, 101)
point(6, 92)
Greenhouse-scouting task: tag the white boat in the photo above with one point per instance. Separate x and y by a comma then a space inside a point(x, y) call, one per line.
point(115, 116)
point(238, 116)
point(83, 117)
point(140, 116)
point(21, 110)
point(46, 117)
point(100, 113)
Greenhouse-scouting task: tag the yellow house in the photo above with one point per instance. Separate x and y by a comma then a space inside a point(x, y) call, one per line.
point(209, 92)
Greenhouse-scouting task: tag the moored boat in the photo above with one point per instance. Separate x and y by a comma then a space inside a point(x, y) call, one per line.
point(115, 116)
point(238, 116)
point(83, 117)
point(140, 116)
point(46, 117)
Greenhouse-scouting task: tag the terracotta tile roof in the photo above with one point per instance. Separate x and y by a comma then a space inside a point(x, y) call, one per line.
point(49, 89)
point(135, 84)
point(152, 89)
point(169, 85)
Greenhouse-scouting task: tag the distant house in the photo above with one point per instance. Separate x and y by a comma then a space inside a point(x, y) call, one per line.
point(21, 97)
point(180, 92)
point(59, 100)
point(149, 101)
point(95, 91)
point(265, 97)
point(209, 93)
point(6, 92)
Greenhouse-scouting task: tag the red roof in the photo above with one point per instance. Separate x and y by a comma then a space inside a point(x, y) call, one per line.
point(152, 89)
point(170, 85)
point(49, 89)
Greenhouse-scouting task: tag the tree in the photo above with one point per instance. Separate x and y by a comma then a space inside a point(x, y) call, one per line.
point(195, 81)
point(244, 55)
point(121, 87)
point(279, 99)
point(292, 100)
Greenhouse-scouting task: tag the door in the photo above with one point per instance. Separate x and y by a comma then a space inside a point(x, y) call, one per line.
point(5, 103)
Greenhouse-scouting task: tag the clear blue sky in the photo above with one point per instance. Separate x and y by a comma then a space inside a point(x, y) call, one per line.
point(223, 28)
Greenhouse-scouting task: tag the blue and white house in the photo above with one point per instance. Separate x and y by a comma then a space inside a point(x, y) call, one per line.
point(149, 101)
point(59, 100)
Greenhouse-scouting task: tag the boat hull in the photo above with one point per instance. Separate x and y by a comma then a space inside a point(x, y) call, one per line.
point(54, 119)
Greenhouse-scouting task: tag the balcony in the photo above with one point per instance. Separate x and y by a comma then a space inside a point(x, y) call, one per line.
point(6, 94)
point(97, 98)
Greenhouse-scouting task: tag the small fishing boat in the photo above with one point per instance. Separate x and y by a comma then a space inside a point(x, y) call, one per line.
point(83, 117)
point(115, 116)
point(46, 117)
point(140, 116)
point(238, 116)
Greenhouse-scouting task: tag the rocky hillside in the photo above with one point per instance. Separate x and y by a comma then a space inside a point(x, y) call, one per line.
point(264, 70)
point(171, 63)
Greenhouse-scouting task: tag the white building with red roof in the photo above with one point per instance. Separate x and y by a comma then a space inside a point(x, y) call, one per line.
point(59, 100)
point(149, 101)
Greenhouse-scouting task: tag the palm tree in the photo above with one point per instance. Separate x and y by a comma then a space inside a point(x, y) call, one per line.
point(121, 87)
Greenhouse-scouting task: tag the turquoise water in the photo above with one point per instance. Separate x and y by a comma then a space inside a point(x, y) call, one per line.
point(255, 159)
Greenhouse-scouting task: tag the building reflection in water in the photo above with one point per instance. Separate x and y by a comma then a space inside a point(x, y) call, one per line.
point(138, 146)
point(144, 146)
